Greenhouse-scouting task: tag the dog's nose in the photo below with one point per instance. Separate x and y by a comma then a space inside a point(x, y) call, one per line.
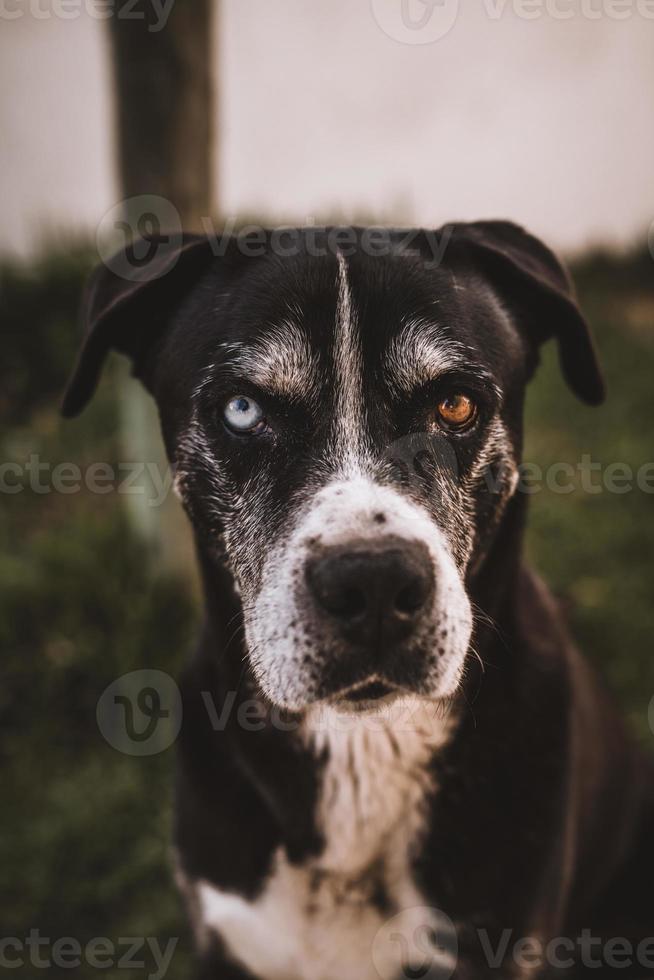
point(374, 592)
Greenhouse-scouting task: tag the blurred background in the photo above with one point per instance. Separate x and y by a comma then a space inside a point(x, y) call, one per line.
point(274, 111)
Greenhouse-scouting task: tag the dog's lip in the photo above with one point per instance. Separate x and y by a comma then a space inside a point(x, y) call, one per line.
point(373, 692)
point(370, 690)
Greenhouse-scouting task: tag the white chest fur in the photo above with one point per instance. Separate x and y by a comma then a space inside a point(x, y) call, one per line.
point(324, 919)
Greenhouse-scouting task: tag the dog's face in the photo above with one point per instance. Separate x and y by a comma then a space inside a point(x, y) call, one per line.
point(339, 428)
point(345, 430)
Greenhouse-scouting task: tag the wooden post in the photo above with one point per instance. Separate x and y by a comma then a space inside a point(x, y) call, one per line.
point(165, 118)
point(165, 104)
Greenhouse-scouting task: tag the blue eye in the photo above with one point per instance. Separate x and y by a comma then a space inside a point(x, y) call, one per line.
point(242, 414)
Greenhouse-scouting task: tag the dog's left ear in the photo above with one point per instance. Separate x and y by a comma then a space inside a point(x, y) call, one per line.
point(535, 287)
point(127, 302)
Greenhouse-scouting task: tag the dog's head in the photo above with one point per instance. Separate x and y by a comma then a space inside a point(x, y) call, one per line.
point(345, 427)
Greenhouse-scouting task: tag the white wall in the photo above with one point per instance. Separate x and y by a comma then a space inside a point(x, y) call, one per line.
point(55, 128)
point(547, 121)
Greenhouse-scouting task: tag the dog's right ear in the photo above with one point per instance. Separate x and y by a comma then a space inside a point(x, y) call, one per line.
point(535, 286)
point(127, 302)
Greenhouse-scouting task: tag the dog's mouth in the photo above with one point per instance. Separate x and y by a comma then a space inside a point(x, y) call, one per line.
point(369, 691)
point(370, 694)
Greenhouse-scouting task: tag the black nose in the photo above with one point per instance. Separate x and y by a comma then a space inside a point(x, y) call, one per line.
point(374, 592)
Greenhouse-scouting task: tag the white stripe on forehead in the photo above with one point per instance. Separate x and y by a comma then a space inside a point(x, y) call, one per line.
point(417, 355)
point(281, 362)
point(349, 415)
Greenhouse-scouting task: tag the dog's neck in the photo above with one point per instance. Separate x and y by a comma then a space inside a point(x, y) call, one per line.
point(376, 773)
point(309, 777)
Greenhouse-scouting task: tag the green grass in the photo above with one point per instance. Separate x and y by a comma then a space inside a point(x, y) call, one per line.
point(596, 550)
point(85, 831)
point(84, 848)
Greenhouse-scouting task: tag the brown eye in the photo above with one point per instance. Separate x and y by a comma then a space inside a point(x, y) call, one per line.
point(457, 411)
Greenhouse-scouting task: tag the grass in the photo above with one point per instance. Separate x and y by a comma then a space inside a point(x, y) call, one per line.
point(596, 550)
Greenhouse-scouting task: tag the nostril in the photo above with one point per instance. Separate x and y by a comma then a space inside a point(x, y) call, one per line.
point(411, 598)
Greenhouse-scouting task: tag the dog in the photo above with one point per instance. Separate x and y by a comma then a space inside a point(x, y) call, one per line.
point(419, 776)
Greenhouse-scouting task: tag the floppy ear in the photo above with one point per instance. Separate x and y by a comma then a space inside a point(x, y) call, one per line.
point(535, 287)
point(126, 303)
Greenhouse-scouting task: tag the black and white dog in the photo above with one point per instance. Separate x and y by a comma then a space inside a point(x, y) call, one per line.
point(421, 744)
